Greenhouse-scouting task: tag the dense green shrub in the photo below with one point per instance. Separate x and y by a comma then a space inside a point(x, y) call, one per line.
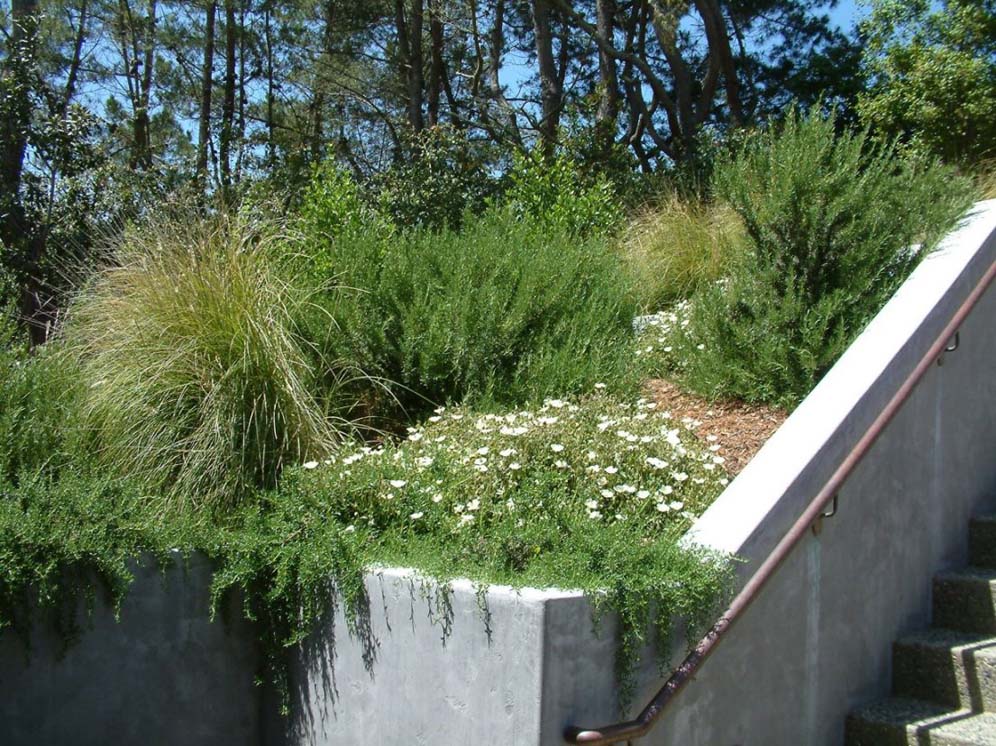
point(446, 175)
point(198, 377)
point(557, 193)
point(333, 212)
point(333, 206)
point(596, 157)
point(930, 72)
point(38, 394)
point(833, 224)
point(510, 309)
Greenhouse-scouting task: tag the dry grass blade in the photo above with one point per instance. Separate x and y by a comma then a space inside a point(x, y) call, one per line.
point(986, 180)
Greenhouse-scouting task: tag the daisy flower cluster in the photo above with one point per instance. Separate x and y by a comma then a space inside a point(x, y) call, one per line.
point(593, 461)
point(655, 333)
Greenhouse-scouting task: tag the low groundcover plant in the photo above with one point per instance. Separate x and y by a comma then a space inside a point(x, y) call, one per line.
point(597, 461)
point(589, 493)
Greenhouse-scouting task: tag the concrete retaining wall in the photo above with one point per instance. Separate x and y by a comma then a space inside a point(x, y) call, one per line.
point(506, 667)
point(162, 675)
point(514, 667)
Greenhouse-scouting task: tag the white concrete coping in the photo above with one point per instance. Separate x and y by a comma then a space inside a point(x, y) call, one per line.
point(463, 585)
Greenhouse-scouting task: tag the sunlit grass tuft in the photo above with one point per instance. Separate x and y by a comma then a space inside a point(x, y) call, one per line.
point(198, 378)
point(985, 180)
point(676, 246)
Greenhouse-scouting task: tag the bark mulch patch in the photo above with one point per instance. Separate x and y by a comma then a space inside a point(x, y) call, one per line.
point(740, 429)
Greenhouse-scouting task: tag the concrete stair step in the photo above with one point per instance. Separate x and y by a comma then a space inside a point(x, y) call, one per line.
point(898, 722)
point(910, 722)
point(982, 541)
point(952, 668)
point(965, 600)
point(977, 730)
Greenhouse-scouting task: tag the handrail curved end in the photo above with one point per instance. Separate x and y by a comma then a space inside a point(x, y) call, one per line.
point(573, 734)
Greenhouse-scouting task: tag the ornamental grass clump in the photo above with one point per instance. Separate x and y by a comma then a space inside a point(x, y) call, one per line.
point(834, 224)
point(197, 377)
point(677, 246)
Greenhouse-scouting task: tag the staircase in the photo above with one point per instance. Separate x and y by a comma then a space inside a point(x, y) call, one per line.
point(944, 679)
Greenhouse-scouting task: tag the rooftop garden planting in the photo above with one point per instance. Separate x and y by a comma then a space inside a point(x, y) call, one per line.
point(303, 396)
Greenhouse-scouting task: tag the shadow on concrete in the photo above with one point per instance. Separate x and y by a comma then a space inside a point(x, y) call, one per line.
point(314, 689)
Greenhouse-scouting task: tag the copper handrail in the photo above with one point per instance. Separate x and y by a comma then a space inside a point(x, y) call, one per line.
point(616, 732)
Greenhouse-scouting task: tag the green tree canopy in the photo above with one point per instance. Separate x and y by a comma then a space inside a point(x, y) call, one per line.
point(932, 76)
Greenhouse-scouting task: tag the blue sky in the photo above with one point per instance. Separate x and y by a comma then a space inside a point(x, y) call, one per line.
point(846, 12)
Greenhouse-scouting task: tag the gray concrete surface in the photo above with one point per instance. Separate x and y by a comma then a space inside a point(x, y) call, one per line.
point(162, 675)
point(450, 668)
point(421, 663)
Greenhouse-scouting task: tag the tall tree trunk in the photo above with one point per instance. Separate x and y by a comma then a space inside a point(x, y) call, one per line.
point(550, 89)
point(271, 146)
point(228, 102)
point(16, 79)
point(719, 48)
point(496, 49)
point(137, 39)
point(140, 77)
point(608, 95)
point(76, 60)
point(409, 28)
point(666, 19)
point(436, 62)
point(207, 83)
point(15, 232)
point(416, 82)
point(316, 135)
point(240, 130)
